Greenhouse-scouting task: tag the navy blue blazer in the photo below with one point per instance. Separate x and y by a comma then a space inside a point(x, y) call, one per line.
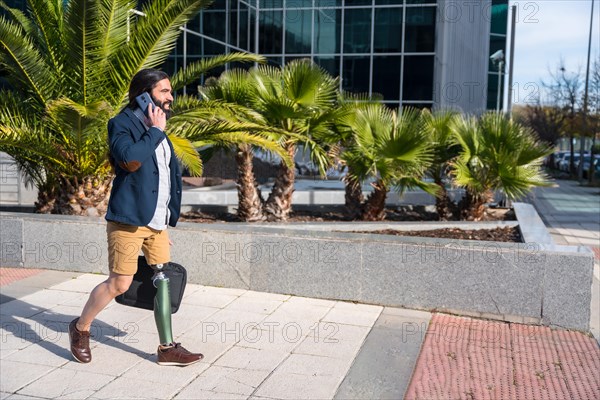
point(135, 188)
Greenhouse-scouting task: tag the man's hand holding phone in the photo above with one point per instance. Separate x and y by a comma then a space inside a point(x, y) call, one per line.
point(157, 118)
point(155, 115)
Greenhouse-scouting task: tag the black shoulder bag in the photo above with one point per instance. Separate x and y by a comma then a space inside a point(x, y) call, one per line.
point(141, 292)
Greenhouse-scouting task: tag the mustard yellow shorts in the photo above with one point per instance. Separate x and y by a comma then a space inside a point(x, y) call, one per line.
point(126, 241)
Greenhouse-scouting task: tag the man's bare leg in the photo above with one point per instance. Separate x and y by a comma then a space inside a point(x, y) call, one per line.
point(102, 294)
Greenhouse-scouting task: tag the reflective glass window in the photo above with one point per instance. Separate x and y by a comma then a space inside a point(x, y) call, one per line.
point(499, 16)
point(270, 4)
point(329, 63)
point(357, 30)
point(386, 76)
point(421, 1)
point(292, 58)
point(210, 48)
point(298, 3)
point(420, 29)
point(251, 39)
point(388, 30)
point(358, 2)
point(385, 2)
point(233, 27)
point(274, 61)
point(492, 92)
point(194, 45)
point(298, 25)
point(194, 23)
point(355, 74)
point(417, 82)
point(171, 65)
point(270, 31)
point(328, 3)
point(243, 32)
point(218, 5)
point(214, 24)
point(420, 106)
point(328, 28)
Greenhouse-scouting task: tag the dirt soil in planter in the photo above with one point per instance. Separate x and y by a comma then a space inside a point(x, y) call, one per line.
point(505, 234)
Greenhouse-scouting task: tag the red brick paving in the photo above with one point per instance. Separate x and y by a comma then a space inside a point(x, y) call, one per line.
point(470, 359)
point(9, 275)
point(596, 251)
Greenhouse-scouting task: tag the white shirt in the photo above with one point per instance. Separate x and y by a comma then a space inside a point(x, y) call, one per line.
point(160, 220)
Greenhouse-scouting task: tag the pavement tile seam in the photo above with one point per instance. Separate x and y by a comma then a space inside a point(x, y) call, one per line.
point(35, 379)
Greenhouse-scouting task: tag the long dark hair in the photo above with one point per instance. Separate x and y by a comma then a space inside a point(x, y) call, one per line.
point(144, 81)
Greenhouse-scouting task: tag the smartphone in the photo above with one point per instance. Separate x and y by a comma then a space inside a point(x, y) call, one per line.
point(144, 101)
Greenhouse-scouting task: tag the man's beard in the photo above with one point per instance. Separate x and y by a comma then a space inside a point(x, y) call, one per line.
point(161, 105)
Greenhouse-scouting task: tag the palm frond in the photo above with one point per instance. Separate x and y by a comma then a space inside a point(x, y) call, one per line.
point(153, 37)
point(410, 183)
point(195, 70)
point(228, 137)
point(24, 62)
point(107, 36)
point(309, 85)
point(20, 17)
point(187, 154)
point(48, 18)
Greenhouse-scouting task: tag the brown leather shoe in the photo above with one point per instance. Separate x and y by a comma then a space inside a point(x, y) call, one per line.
point(177, 355)
point(80, 343)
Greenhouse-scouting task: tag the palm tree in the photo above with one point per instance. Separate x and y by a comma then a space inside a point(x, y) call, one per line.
point(390, 148)
point(495, 153)
point(438, 126)
point(234, 87)
point(284, 106)
point(298, 101)
point(222, 120)
point(69, 65)
point(341, 138)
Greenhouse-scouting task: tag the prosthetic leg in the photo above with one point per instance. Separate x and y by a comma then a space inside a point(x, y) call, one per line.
point(162, 305)
point(168, 353)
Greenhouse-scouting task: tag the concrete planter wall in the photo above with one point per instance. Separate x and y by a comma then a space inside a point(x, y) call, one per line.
point(534, 282)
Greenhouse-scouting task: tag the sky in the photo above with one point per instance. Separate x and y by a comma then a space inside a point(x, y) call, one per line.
point(546, 31)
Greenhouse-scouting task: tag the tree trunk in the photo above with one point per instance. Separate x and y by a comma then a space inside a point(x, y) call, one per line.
point(279, 203)
point(353, 196)
point(70, 197)
point(572, 160)
point(374, 207)
point(473, 205)
point(250, 201)
point(442, 202)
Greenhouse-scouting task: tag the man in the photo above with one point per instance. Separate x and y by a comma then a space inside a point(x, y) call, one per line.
point(145, 198)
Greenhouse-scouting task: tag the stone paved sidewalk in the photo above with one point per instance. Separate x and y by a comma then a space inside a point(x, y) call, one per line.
point(270, 346)
point(256, 345)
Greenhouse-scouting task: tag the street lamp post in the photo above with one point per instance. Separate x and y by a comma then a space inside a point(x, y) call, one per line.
point(585, 103)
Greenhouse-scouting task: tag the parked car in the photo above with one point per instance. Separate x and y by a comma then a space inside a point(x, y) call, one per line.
point(553, 159)
point(564, 163)
point(586, 164)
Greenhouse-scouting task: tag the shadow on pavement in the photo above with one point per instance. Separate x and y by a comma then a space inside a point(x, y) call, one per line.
point(45, 328)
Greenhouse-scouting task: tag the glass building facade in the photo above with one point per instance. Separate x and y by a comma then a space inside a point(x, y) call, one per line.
point(498, 28)
point(388, 47)
point(384, 47)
